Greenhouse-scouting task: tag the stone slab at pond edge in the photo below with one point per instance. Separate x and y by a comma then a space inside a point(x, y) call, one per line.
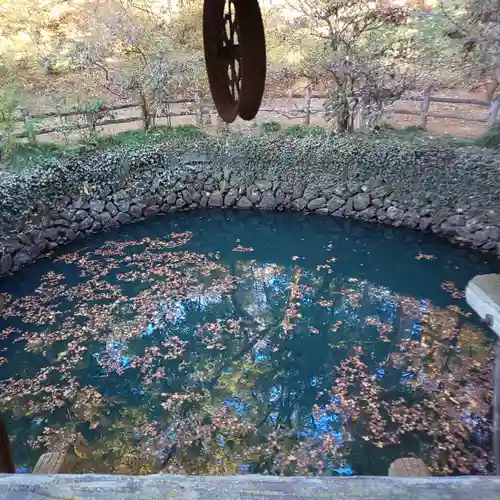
point(250, 487)
point(451, 191)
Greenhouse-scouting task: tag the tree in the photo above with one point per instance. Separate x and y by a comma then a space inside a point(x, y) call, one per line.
point(147, 63)
point(475, 26)
point(361, 51)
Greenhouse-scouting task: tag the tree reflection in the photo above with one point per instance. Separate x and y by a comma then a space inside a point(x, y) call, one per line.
point(160, 359)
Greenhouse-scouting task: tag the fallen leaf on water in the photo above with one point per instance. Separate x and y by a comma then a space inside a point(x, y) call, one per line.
point(425, 256)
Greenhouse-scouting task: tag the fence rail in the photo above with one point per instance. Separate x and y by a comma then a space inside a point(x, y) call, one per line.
point(200, 108)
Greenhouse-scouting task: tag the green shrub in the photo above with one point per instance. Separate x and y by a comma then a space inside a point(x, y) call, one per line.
point(270, 126)
point(306, 130)
point(490, 138)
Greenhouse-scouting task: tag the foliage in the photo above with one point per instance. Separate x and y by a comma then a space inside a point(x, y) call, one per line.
point(153, 69)
point(305, 130)
point(474, 25)
point(490, 138)
point(361, 52)
point(9, 110)
point(270, 126)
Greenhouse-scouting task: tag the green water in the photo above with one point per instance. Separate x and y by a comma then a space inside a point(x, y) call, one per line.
point(248, 343)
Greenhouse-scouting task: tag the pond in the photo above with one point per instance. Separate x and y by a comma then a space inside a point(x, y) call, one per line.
point(232, 343)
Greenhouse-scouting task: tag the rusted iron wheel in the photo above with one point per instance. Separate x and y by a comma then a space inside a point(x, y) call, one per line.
point(235, 56)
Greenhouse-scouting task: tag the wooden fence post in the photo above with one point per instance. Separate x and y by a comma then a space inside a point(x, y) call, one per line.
point(199, 109)
point(492, 115)
point(30, 133)
point(424, 109)
point(307, 106)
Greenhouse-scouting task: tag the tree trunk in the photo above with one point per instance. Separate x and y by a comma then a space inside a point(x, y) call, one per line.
point(343, 116)
point(146, 117)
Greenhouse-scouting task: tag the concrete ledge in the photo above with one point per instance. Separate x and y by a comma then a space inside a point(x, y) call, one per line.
point(98, 487)
point(483, 296)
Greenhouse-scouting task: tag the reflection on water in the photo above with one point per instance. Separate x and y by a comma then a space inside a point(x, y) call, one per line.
point(247, 343)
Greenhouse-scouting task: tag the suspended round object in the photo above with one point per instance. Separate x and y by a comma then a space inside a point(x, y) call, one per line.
point(235, 56)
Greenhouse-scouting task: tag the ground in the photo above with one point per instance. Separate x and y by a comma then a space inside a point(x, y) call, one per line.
point(40, 99)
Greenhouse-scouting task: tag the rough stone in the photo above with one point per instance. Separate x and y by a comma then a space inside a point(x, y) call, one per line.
point(111, 208)
point(299, 204)
point(244, 203)
point(224, 186)
point(123, 206)
point(493, 233)
point(312, 192)
point(264, 185)
point(349, 206)
point(24, 239)
point(298, 191)
point(78, 204)
point(105, 217)
point(322, 211)
point(122, 218)
point(368, 213)
point(26, 255)
point(86, 224)
point(231, 197)
point(382, 191)
point(6, 264)
point(456, 220)
point(65, 214)
point(97, 205)
point(479, 238)
point(12, 245)
point(179, 186)
point(316, 203)
point(425, 223)
point(135, 211)
point(61, 222)
point(151, 211)
point(353, 188)
point(180, 203)
point(253, 195)
point(395, 214)
point(381, 214)
point(187, 196)
point(335, 203)
point(268, 201)
point(361, 201)
point(215, 199)
point(96, 227)
point(170, 199)
point(280, 196)
point(51, 233)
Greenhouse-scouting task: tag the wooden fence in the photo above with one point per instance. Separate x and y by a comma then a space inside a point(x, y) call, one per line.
point(201, 109)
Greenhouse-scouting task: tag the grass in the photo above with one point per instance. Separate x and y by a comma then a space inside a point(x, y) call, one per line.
point(25, 154)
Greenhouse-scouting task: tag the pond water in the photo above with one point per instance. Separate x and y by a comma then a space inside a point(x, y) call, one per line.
point(230, 343)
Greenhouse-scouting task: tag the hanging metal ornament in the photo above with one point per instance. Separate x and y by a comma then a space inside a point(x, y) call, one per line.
point(235, 56)
point(6, 460)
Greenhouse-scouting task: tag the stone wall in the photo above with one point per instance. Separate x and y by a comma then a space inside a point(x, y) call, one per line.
point(205, 183)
